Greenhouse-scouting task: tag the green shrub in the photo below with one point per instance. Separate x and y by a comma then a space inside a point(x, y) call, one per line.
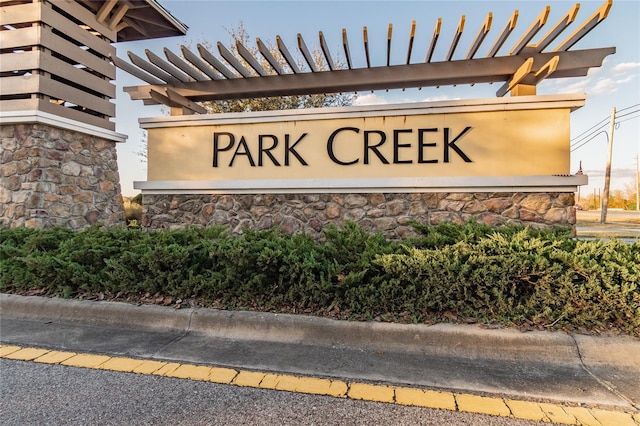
point(507, 274)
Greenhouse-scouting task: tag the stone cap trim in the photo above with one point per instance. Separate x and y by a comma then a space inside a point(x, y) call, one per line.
point(372, 185)
point(571, 101)
point(41, 117)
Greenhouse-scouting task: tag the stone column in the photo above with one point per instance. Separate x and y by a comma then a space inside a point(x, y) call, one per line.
point(52, 176)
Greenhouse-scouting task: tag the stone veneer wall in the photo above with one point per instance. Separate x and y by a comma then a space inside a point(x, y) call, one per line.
point(390, 214)
point(56, 177)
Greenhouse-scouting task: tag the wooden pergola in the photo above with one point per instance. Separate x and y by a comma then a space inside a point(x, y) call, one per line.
point(181, 81)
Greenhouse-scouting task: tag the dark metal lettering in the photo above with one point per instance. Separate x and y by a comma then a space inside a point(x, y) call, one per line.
point(330, 146)
point(262, 149)
point(292, 150)
point(397, 145)
point(216, 147)
point(374, 148)
point(453, 145)
point(422, 145)
point(242, 143)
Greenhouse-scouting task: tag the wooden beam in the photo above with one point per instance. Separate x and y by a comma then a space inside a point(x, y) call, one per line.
point(248, 57)
point(118, 15)
point(167, 67)
point(135, 71)
point(365, 38)
point(517, 77)
point(531, 31)
point(325, 51)
point(434, 40)
point(591, 22)
point(172, 99)
point(412, 35)
point(266, 53)
point(456, 38)
point(482, 34)
point(215, 62)
point(345, 45)
point(190, 70)
point(152, 69)
point(105, 10)
point(389, 33)
point(232, 60)
point(302, 46)
point(560, 26)
point(287, 56)
point(198, 63)
point(482, 70)
point(504, 35)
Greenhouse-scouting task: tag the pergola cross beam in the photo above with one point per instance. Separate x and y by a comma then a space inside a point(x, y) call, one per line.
point(245, 76)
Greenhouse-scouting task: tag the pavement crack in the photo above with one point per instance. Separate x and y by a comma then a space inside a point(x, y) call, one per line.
point(603, 382)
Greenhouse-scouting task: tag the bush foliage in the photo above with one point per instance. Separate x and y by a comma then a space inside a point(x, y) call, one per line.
point(511, 275)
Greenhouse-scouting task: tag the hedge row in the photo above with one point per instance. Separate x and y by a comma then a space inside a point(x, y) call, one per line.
point(510, 275)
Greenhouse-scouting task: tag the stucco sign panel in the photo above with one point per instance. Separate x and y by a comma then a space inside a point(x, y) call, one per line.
point(455, 139)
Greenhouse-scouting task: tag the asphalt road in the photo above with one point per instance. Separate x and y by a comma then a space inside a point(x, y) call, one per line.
point(40, 394)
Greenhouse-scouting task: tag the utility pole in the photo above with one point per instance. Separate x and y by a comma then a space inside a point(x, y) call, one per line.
point(638, 182)
point(607, 172)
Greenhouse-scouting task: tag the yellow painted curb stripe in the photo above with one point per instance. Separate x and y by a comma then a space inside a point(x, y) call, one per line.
point(528, 410)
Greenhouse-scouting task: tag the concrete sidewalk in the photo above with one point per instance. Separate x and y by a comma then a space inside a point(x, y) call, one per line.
point(583, 370)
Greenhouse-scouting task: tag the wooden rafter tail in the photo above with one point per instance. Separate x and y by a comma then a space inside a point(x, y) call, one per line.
point(135, 71)
point(389, 34)
point(558, 28)
point(172, 99)
point(287, 56)
point(325, 51)
point(183, 66)
point(345, 45)
point(250, 59)
point(302, 46)
point(167, 67)
point(201, 65)
point(517, 77)
point(215, 62)
point(152, 69)
point(456, 38)
point(365, 39)
point(412, 35)
point(266, 54)
point(434, 40)
point(482, 34)
point(504, 35)
point(232, 60)
point(531, 31)
point(591, 22)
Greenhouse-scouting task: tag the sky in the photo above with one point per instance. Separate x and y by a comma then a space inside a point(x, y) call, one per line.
point(615, 84)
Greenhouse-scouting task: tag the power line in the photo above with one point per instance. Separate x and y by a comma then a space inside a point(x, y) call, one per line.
point(589, 129)
point(589, 140)
point(590, 134)
point(624, 115)
point(599, 123)
point(627, 119)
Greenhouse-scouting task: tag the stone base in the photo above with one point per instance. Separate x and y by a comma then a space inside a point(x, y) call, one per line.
point(55, 177)
point(390, 213)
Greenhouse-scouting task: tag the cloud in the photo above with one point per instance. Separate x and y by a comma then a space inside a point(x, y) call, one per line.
point(602, 86)
point(625, 67)
point(370, 99)
point(438, 98)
